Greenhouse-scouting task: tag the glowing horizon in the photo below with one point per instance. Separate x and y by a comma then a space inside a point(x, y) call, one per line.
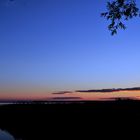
point(68, 95)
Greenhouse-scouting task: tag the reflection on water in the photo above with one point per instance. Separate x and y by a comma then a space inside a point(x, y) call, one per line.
point(5, 135)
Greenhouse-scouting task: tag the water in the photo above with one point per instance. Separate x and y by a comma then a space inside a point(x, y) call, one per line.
point(4, 135)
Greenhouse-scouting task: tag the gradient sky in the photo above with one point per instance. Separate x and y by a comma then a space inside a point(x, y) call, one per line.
point(65, 45)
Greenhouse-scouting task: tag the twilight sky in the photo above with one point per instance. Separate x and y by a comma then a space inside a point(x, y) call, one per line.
point(65, 45)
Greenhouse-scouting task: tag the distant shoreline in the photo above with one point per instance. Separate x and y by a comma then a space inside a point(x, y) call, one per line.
point(67, 101)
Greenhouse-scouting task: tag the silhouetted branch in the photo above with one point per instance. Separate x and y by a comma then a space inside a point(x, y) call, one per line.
point(119, 10)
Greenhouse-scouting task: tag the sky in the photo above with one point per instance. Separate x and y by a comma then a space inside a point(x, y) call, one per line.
point(55, 45)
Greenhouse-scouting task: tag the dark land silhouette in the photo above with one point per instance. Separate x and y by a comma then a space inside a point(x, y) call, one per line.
point(41, 120)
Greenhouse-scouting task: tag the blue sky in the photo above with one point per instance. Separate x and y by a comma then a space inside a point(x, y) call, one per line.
point(65, 45)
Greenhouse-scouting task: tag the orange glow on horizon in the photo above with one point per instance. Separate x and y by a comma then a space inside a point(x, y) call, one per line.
point(42, 95)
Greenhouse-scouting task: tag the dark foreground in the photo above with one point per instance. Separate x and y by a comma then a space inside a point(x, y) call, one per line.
point(70, 120)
